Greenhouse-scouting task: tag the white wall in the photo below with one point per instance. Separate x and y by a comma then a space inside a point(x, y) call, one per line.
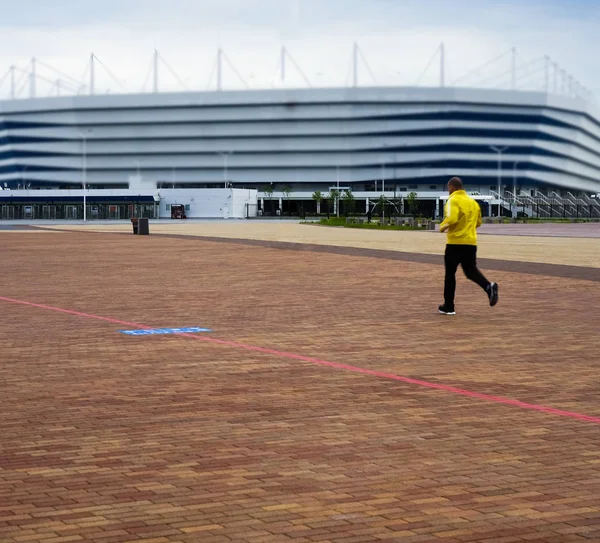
point(241, 197)
point(207, 203)
point(139, 182)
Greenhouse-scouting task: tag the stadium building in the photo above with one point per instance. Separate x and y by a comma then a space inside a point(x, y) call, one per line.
point(517, 149)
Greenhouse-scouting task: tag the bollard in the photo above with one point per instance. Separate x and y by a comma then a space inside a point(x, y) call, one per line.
point(143, 228)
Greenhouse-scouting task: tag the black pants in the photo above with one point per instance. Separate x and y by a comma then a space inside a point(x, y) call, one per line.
point(466, 256)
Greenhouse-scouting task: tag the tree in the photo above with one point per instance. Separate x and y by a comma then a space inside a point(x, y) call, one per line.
point(287, 191)
point(268, 190)
point(334, 194)
point(317, 196)
point(349, 201)
point(396, 205)
point(381, 201)
point(411, 200)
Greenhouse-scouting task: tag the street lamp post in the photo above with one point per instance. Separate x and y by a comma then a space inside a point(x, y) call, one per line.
point(225, 155)
point(515, 187)
point(499, 150)
point(337, 203)
point(83, 136)
point(84, 177)
point(24, 177)
point(383, 190)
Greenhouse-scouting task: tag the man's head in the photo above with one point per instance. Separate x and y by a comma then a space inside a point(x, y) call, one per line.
point(455, 184)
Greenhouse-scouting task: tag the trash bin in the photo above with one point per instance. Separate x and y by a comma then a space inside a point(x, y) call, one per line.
point(143, 228)
point(134, 223)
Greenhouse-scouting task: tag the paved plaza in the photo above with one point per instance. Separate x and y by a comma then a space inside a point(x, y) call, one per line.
point(329, 402)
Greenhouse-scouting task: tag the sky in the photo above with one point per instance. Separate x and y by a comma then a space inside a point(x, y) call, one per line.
point(398, 42)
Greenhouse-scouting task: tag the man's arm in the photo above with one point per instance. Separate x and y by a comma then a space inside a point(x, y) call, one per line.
point(450, 215)
point(478, 215)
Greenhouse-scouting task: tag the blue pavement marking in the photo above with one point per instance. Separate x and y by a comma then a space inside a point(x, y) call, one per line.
point(161, 331)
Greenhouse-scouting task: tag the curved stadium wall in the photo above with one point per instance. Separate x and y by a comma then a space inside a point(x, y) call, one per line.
point(305, 138)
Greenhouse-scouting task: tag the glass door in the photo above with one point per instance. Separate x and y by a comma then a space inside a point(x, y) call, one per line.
point(113, 213)
point(71, 213)
point(7, 213)
point(49, 213)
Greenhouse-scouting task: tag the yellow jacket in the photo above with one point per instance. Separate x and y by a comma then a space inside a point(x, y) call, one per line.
point(462, 217)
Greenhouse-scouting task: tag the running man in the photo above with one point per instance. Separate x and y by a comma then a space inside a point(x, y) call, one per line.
point(462, 217)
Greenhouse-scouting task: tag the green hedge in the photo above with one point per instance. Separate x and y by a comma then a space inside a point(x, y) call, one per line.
point(340, 221)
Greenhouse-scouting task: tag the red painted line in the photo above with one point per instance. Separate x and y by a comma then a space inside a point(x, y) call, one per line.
point(336, 365)
point(76, 313)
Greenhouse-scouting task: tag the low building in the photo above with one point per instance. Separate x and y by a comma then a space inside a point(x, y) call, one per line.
point(121, 204)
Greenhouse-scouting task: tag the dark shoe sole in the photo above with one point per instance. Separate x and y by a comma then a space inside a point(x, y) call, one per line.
point(494, 295)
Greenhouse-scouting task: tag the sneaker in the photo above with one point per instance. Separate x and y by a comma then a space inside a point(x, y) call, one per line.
point(445, 311)
point(492, 293)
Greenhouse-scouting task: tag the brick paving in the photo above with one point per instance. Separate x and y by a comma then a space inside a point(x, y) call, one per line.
point(536, 268)
point(555, 230)
point(528, 246)
point(111, 438)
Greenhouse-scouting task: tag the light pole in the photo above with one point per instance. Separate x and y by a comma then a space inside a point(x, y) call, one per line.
point(383, 191)
point(499, 150)
point(225, 155)
point(337, 203)
point(515, 187)
point(23, 176)
point(83, 136)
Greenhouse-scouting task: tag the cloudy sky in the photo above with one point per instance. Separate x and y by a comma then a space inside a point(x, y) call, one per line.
point(397, 40)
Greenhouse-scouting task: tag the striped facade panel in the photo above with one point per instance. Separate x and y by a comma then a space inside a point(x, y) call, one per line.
point(305, 137)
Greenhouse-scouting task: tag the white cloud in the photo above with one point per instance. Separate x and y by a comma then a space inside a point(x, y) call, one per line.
point(397, 38)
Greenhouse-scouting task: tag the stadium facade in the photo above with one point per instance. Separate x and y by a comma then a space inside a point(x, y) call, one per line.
point(304, 140)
